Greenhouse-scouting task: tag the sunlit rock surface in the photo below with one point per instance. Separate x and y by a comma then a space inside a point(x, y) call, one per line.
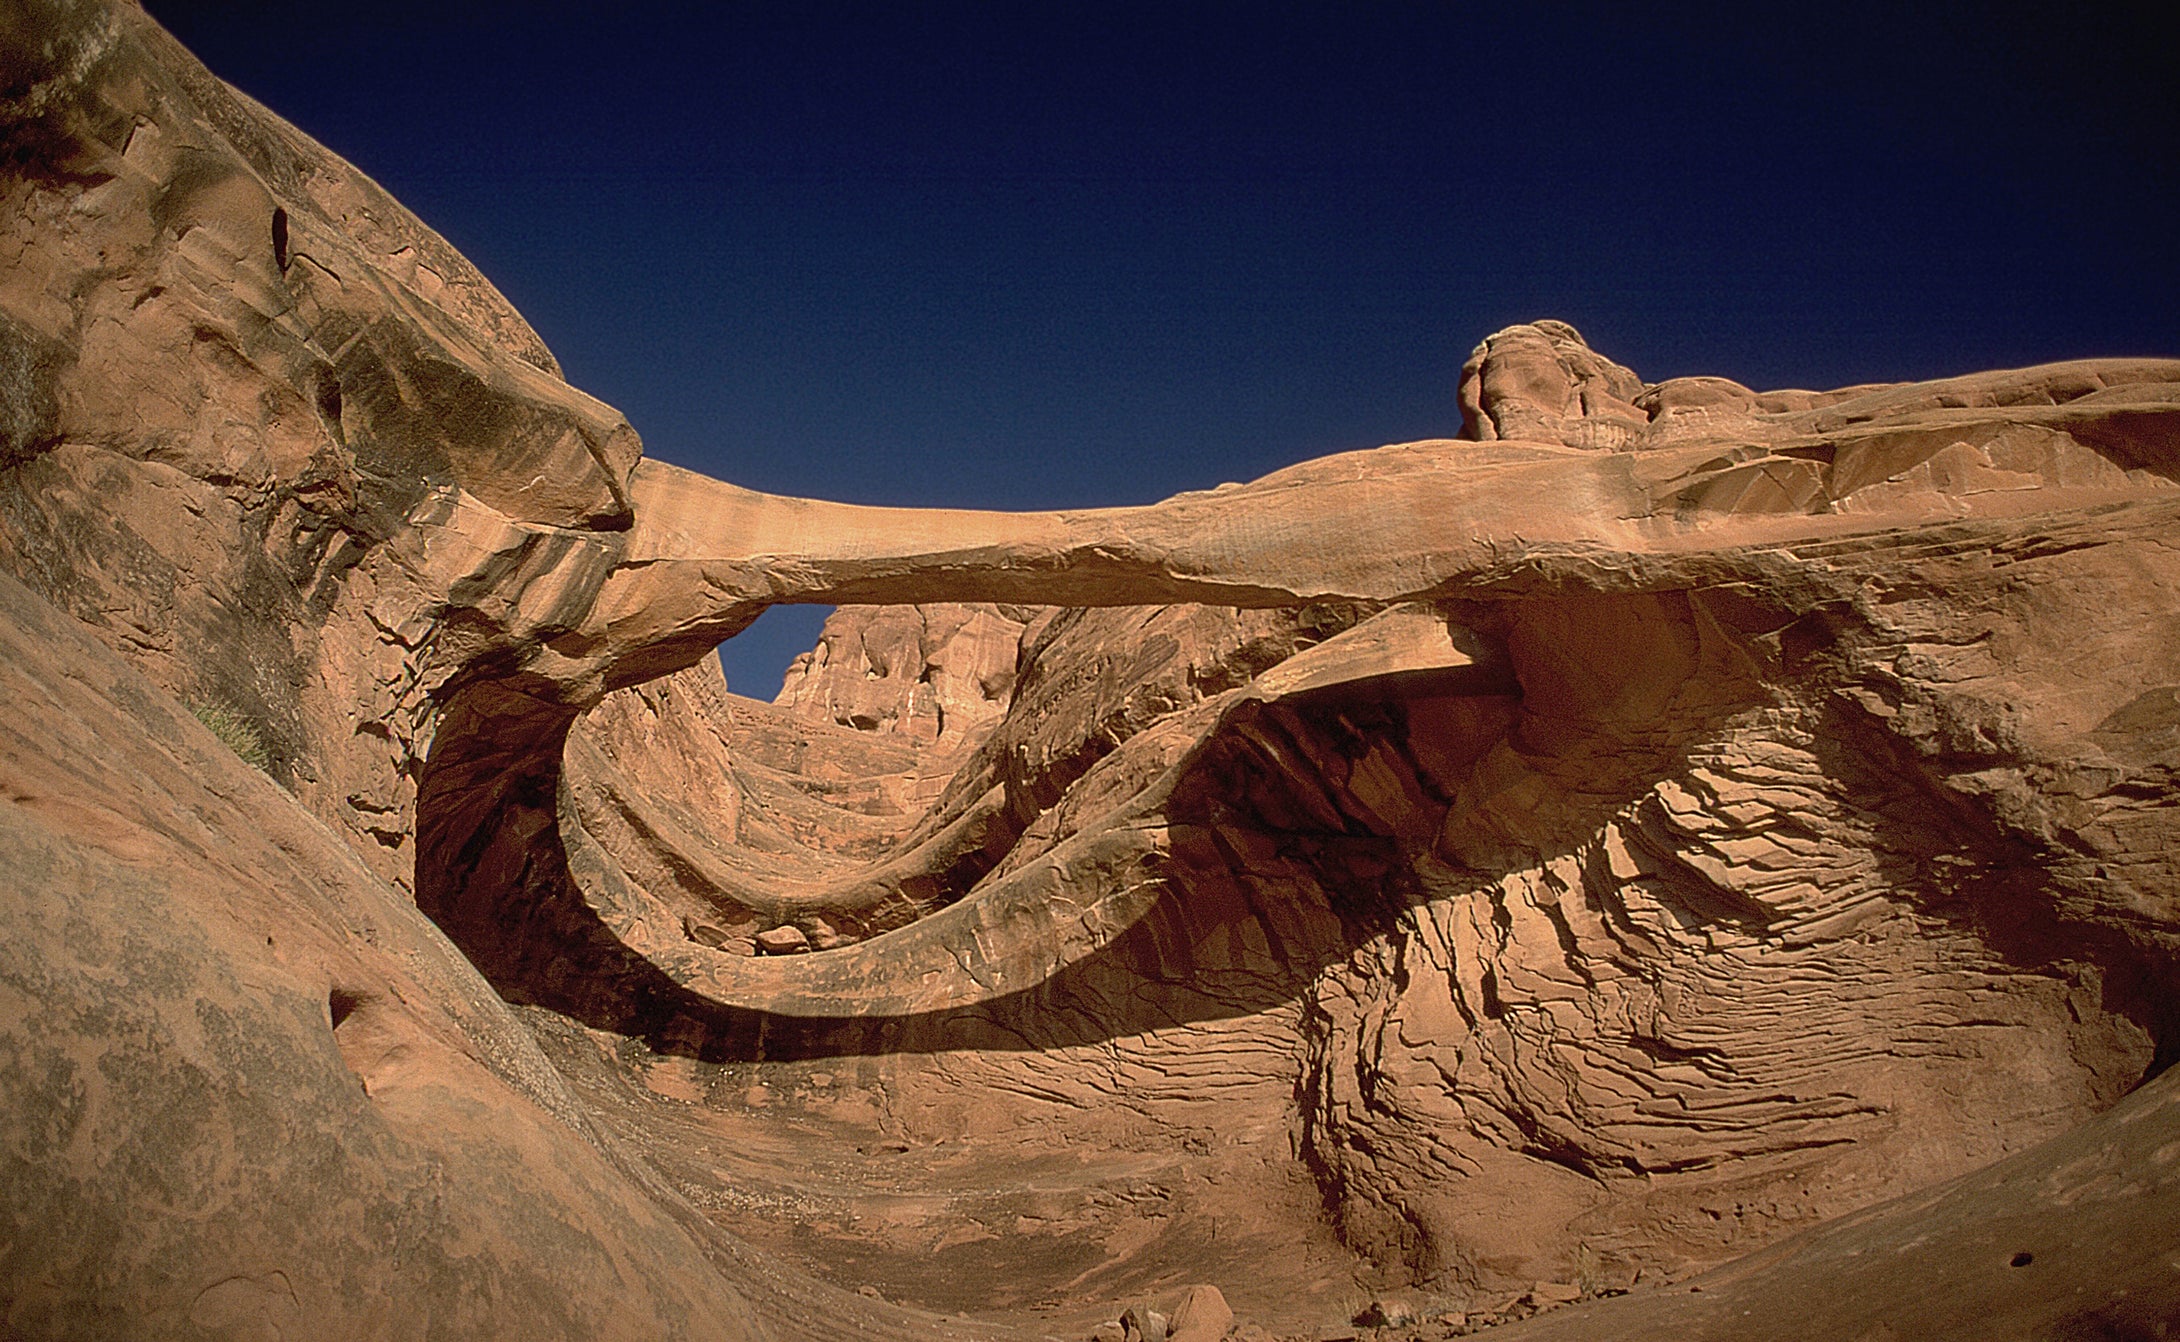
point(937, 674)
point(1481, 874)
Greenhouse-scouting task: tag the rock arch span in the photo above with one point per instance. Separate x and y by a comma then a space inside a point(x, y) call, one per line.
point(1799, 829)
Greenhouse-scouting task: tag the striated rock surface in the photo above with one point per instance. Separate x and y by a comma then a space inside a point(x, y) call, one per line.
point(2068, 1240)
point(1492, 871)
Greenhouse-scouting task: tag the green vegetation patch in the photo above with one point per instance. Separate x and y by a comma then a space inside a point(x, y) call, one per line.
point(238, 732)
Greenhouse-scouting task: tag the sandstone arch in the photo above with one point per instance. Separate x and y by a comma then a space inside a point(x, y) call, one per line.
point(704, 556)
point(1780, 598)
point(1756, 817)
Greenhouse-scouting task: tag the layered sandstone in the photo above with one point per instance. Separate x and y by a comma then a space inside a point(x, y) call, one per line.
point(936, 674)
point(1559, 858)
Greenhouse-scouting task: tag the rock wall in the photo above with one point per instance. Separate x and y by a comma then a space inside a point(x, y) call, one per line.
point(1662, 818)
point(283, 447)
point(937, 674)
point(248, 1089)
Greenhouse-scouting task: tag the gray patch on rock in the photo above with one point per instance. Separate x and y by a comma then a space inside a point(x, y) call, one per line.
point(29, 411)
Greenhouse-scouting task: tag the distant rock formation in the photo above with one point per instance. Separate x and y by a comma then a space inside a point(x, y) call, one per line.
point(1509, 869)
point(936, 674)
point(1542, 382)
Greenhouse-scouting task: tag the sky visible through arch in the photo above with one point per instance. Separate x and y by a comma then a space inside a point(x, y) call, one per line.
point(1055, 255)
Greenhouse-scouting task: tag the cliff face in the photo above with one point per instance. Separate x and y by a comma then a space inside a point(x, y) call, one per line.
point(270, 434)
point(1665, 817)
point(938, 675)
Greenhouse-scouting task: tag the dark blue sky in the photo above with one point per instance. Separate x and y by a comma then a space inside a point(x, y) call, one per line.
point(1045, 254)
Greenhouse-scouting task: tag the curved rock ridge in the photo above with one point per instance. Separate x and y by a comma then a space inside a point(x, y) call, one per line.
point(1708, 932)
point(1039, 914)
point(1508, 868)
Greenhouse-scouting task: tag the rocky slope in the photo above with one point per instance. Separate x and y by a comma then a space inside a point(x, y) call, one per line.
point(1654, 825)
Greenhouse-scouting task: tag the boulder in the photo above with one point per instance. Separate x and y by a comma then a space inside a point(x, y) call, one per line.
point(1202, 1316)
point(1387, 1312)
point(788, 940)
point(1141, 1323)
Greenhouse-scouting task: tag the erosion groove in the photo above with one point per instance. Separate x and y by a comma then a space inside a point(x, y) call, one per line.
point(1707, 848)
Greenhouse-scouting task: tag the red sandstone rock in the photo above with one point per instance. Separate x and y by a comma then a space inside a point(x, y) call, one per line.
point(250, 1089)
point(1542, 382)
point(938, 675)
point(782, 941)
point(1665, 819)
point(1202, 1316)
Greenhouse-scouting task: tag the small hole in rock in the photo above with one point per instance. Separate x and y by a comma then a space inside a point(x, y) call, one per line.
point(340, 1005)
point(280, 238)
point(2023, 1259)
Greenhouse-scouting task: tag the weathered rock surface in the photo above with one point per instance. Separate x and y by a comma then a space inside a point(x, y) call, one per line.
point(2070, 1240)
point(1202, 1316)
point(1568, 856)
point(249, 1090)
point(936, 674)
point(1664, 901)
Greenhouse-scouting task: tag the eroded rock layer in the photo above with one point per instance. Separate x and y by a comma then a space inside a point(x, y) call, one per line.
point(937, 674)
point(1509, 868)
point(1613, 944)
